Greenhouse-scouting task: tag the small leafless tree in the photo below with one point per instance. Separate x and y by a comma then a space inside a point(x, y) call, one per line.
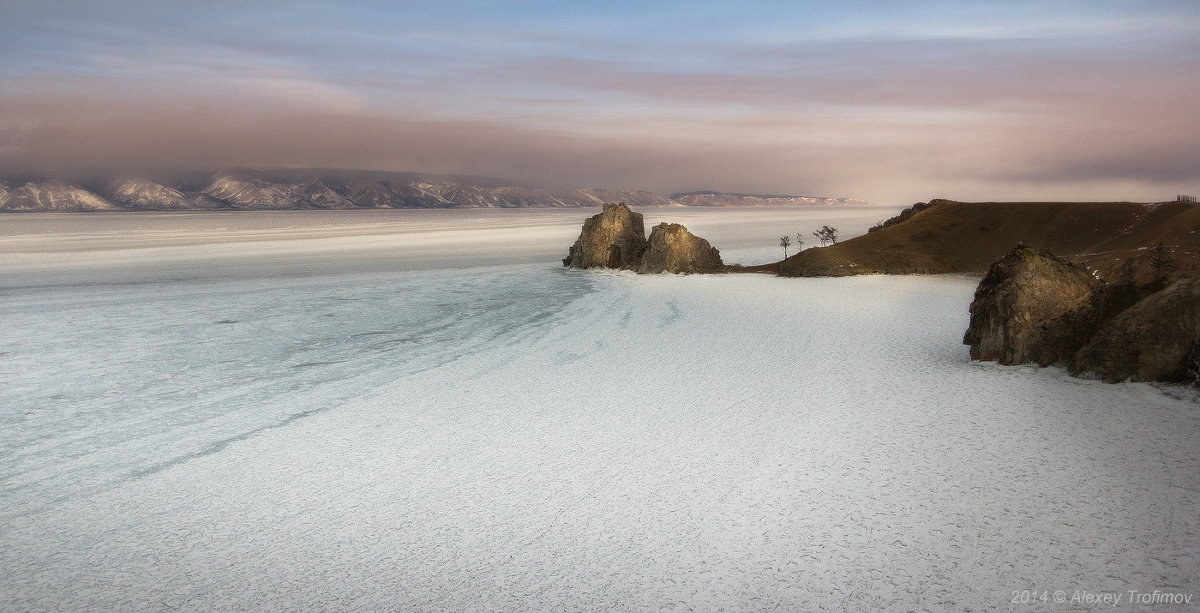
point(827, 235)
point(1129, 272)
point(799, 242)
point(1160, 259)
point(785, 242)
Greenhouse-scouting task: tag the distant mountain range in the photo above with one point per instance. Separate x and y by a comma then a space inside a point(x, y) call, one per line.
point(278, 189)
point(706, 198)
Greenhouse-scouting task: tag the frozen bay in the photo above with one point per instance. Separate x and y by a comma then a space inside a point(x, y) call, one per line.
point(366, 416)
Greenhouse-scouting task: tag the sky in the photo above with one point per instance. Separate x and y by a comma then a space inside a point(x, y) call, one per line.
point(893, 102)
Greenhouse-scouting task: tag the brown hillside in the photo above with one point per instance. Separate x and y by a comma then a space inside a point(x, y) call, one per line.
point(965, 237)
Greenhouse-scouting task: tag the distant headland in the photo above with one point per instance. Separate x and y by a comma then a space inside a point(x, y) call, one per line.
point(1110, 290)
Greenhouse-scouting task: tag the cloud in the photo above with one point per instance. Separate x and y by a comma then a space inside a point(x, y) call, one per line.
point(991, 109)
point(885, 159)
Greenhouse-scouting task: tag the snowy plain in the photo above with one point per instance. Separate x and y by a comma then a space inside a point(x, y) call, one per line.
point(424, 411)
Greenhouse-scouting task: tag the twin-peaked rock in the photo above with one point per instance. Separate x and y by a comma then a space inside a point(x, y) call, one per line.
point(616, 238)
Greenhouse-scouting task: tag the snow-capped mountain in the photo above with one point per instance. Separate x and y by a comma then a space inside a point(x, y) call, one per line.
point(51, 195)
point(370, 194)
point(274, 189)
point(255, 194)
point(598, 195)
point(320, 196)
point(143, 194)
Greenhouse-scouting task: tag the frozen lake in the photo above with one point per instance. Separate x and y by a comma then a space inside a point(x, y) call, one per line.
point(421, 410)
point(42, 249)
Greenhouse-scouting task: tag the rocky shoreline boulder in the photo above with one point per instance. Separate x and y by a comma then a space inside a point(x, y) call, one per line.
point(671, 248)
point(1016, 302)
point(1036, 307)
point(1157, 339)
point(614, 238)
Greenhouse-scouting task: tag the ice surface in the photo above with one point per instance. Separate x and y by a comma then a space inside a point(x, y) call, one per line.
point(105, 383)
point(42, 249)
point(520, 436)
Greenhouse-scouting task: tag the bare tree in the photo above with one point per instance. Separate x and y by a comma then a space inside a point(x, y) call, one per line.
point(799, 242)
point(785, 242)
point(1129, 271)
point(1160, 259)
point(826, 235)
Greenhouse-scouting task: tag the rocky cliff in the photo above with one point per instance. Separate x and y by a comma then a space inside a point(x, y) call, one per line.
point(1033, 307)
point(615, 238)
point(671, 248)
point(1156, 339)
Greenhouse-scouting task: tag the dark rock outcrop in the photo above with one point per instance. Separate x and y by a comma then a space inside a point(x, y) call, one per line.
point(1153, 340)
point(672, 248)
point(1014, 304)
point(1036, 307)
point(1066, 334)
point(615, 238)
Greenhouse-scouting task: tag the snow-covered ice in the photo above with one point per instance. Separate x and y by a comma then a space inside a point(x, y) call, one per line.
point(519, 436)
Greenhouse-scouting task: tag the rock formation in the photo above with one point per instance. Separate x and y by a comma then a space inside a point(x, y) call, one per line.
point(615, 238)
point(672, 248)
point(1014, 304)
point(1066, 334)
point(1154, 340)
point(1036, 307)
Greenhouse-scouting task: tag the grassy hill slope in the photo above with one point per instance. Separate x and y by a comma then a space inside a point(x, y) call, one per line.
point(965, 237)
